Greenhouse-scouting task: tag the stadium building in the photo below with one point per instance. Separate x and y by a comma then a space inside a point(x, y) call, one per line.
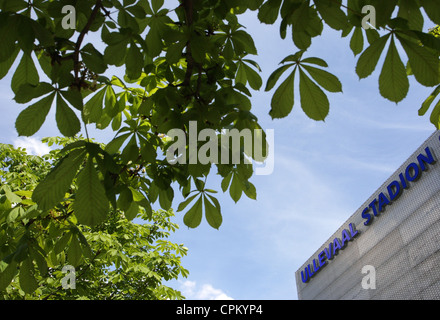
point(390, 247)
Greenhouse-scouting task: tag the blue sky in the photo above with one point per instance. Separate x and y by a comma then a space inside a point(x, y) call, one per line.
point(323, 172)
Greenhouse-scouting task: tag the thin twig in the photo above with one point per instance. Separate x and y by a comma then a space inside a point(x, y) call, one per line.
point(81, 36)
point(188, 6)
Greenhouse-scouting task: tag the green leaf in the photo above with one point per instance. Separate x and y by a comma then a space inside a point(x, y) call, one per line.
point(67, 121)
point(5, 204)
point(6, 65)
point(249, 190)
point(137, 11)
point(14, 6)
point(14, 214)
point(193, 217)
point(52, 189)
point(241, 74)
point(273, 78)
point(93, 108)
point(27, 92)
point(7, 273)
point(282, 100)
point(314, 102)
point(74, 253)
point(185, 203)
point(12, 197)
point(110, 108)
point(125, 20)
point(132, 211)
point(235, 190)
point(226, 181)
point(357, 41)
point(244, 41)
point(26, 73)
point(136, 195)
point(228, 51)
point(424, 63)
point(410, 11)
point(435, 115)
point(212, 211)
point(91, 205)
point(301, 39)
point(9, 38)
point(372, 35)
point(93, 59)
point(431, 9)
point(174, 52)
point(74, 97)
point(368, 60)
point(325, 79)
point(131, 150)
point(253, 77)
point(268, 12)
point(332, 14)
point(166, 198)
point(30, 120)
point(62, 242)
point(116, 122)
point(115, 54)
point(114, 145)
point(27, 279)
point(156, 5)
point(384, 10)
point(199, 48)
point(293, 57)
point(393, 81)
point(134, 62)
point(427, 103)
point(300, 17)
point(125, 199)
point(38, 255)
point(315, 60)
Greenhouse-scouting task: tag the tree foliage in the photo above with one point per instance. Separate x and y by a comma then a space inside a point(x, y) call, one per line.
point(115, 259)
point(188, 62)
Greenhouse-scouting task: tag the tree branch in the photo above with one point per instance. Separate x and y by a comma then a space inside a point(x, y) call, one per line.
point(188, 6)
point(81, 36)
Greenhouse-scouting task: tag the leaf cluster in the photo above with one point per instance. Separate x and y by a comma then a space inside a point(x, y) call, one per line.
point(184, 64)
point(115, 259)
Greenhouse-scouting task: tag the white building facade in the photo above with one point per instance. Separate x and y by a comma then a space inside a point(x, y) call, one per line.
point(390, 247)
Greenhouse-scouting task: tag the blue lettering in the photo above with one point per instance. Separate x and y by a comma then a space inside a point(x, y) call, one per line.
point(311, 272)
point(316, 267)
point(353, 230)
point(305, 276)
point(321, 259)
point(345, 238)
point(373, 206)
point(394, 190)
point(428, 159)
point(336, 246)
point(383, 201)
point(412, 175)
point(402, 179)
point(329, 251)
point(366, 216)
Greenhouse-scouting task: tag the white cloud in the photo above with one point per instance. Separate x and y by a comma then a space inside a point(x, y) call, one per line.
point(32, 145)
point(192, 291)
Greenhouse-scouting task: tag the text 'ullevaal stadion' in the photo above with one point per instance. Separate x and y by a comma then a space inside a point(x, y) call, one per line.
point(386, 197)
